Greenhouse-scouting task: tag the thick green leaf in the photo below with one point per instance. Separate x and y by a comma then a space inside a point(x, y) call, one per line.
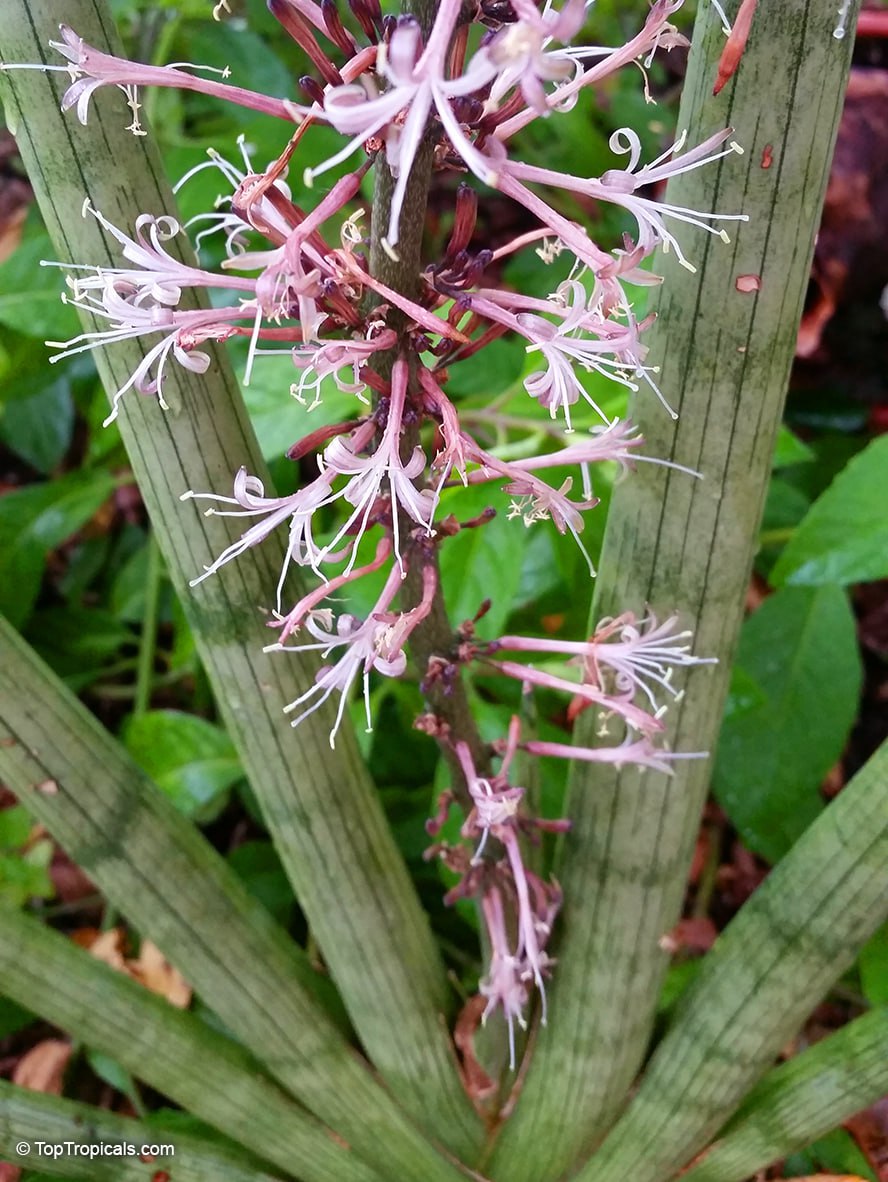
point(133, 1032)
point(766, 972)
point(844, 538)
point(172, 885)
point(33, 521)
point(69, 1131)
point(799, 651)
point(800, 1101)
point(194, 762)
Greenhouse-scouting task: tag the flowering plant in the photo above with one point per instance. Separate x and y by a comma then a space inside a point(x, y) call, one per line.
point(413, 100)
point(422, 100)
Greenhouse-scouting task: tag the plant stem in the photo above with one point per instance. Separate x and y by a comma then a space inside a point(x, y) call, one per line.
point(435, 635)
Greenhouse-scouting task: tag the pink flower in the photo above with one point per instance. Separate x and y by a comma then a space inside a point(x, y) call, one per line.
point(583, 339)
point(520, 51)
point(640, 753)
point(129, 319)
point(656, 32)
point(90, 68)
point(249, 495)
point(156, 275)
point(495, 813)
point(329, 358)
point(366, 474)
point(505, 982)
point(375, 643)
point(535, 500)
point(416, 84)
point(623, 655)
point(619, 186)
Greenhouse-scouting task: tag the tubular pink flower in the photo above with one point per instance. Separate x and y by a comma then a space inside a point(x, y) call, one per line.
point(327, 359)
point(620, 704)
point(535, 500)
point(297, 615)
point(618, 186)
point(582, 339)
point(182, 331)
point(249, 495)
point(656, 31)
point(90, 68)
point(156, 275)
point(520, 52)
point(640, 752)
point(376, 643)
point(367, 474)
point(504, 984)
point(627, 653)
point(416, 85)
point(263, 210)
point(495, 813)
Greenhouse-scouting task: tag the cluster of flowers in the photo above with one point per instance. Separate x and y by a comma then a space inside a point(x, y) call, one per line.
point(391, 91)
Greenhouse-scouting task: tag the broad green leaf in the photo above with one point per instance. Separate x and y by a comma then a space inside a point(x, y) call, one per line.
point(33, 521)
point(263, 875)
point(791, 1111)
point(193, 761)
point(799, 650)
point(837, 1152)
point(489, 372)
point(113, 1074)
point(25, 875)
point(30, 300)
point(785, 508)
point(78, 642)
point(790, 450)
point(844, 538)
point(873, 966)
point(15, 827)
point(13, 1017)
point(39, 428)
point(127, 599)
point(484, 562)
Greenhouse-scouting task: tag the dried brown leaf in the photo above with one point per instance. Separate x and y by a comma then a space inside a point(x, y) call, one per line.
point(42, 1068)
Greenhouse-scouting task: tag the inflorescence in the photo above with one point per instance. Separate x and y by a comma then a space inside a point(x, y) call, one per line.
point(298, 281)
